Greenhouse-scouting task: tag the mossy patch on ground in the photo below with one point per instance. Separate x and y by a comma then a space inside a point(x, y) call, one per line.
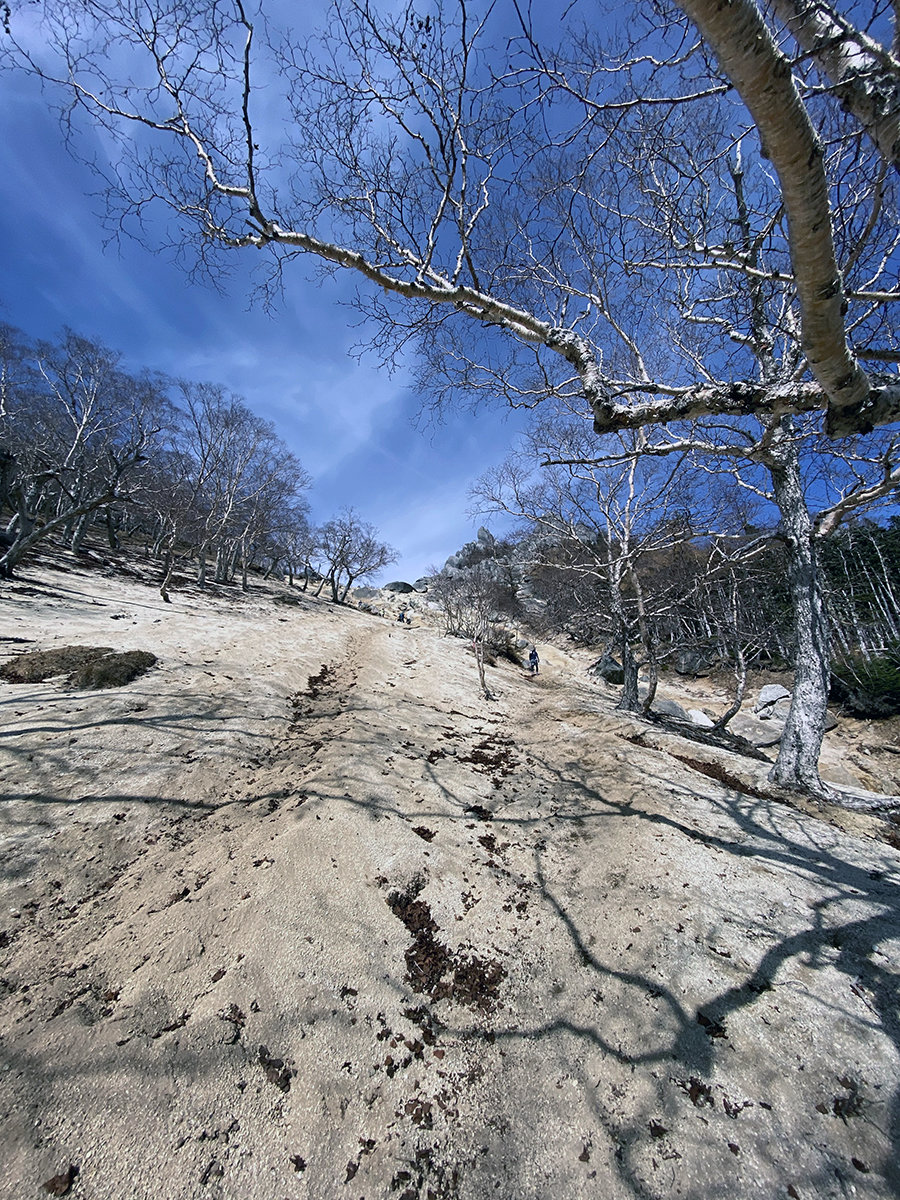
point(83, 666)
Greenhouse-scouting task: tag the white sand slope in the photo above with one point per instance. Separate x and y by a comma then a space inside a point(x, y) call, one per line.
point(297, 914)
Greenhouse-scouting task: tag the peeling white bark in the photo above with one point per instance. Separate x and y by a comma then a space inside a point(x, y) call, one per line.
point(865, 76)
point(762, 75)
point(801, 743)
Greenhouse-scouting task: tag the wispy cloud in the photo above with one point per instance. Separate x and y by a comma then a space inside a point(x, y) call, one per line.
point(349, 422)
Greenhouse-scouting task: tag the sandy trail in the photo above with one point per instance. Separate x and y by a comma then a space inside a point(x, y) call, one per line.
point(298, 914)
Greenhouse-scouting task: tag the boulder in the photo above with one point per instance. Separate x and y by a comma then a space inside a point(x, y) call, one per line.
point(669, 708)
point(770, 695)
point(755, 731)
point(421, 585)
point(692, 662)
point(700, 718)
point(607, 668)
point(399, 586)
point(765, 729)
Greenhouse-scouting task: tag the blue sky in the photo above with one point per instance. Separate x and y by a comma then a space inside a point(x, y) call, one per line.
point(349, 422)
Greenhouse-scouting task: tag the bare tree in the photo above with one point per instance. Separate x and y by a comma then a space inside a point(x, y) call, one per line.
point(814, 483)
point(474, 598)
point(234, 473)
point(860, 65)
point(408, 147)
point(748, 55)
point(610, 510)
point(863, 569)
point(352, 552)
point(477, 597)
point(631, 251)
point(293, 542)
point(74, 431)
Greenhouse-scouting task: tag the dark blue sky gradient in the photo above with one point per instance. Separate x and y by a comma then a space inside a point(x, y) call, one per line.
point(350, 423)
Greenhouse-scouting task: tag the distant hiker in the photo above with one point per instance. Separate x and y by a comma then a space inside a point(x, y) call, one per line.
point(533, 660)
point(402, 617)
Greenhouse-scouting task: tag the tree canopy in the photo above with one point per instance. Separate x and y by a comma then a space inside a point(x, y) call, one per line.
point(540, 213)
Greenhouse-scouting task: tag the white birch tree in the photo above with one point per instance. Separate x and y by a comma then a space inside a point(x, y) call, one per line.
point(351, 551)
point(74, 431)
point(408, 143)
point(612, 508)
point(537, 222)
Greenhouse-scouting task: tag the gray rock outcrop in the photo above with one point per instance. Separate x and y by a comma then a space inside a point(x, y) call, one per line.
point(770, 696)
point(692, 662)
point(607, 668)
point(700, 718)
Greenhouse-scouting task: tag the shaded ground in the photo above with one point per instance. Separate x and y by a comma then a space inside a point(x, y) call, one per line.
point(295, 913)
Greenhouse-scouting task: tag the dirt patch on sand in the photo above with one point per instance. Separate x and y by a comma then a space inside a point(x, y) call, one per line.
point(437, 971)
point(90, 667)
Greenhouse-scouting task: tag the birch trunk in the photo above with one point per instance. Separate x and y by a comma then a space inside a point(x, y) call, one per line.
point(169, 571)
point(797, 764)
point(860, 70)
point(24, 541)
point(762, 76)
point(201, 572)
point(630, 700)
point(740, 687)
point(112, 533)
point(79, 532)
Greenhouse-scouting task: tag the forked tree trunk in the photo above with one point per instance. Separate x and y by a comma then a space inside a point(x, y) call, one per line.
point(647, 645)
point(740, 685)
point(478, 646)
point(630, 700)
point(797, 764)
